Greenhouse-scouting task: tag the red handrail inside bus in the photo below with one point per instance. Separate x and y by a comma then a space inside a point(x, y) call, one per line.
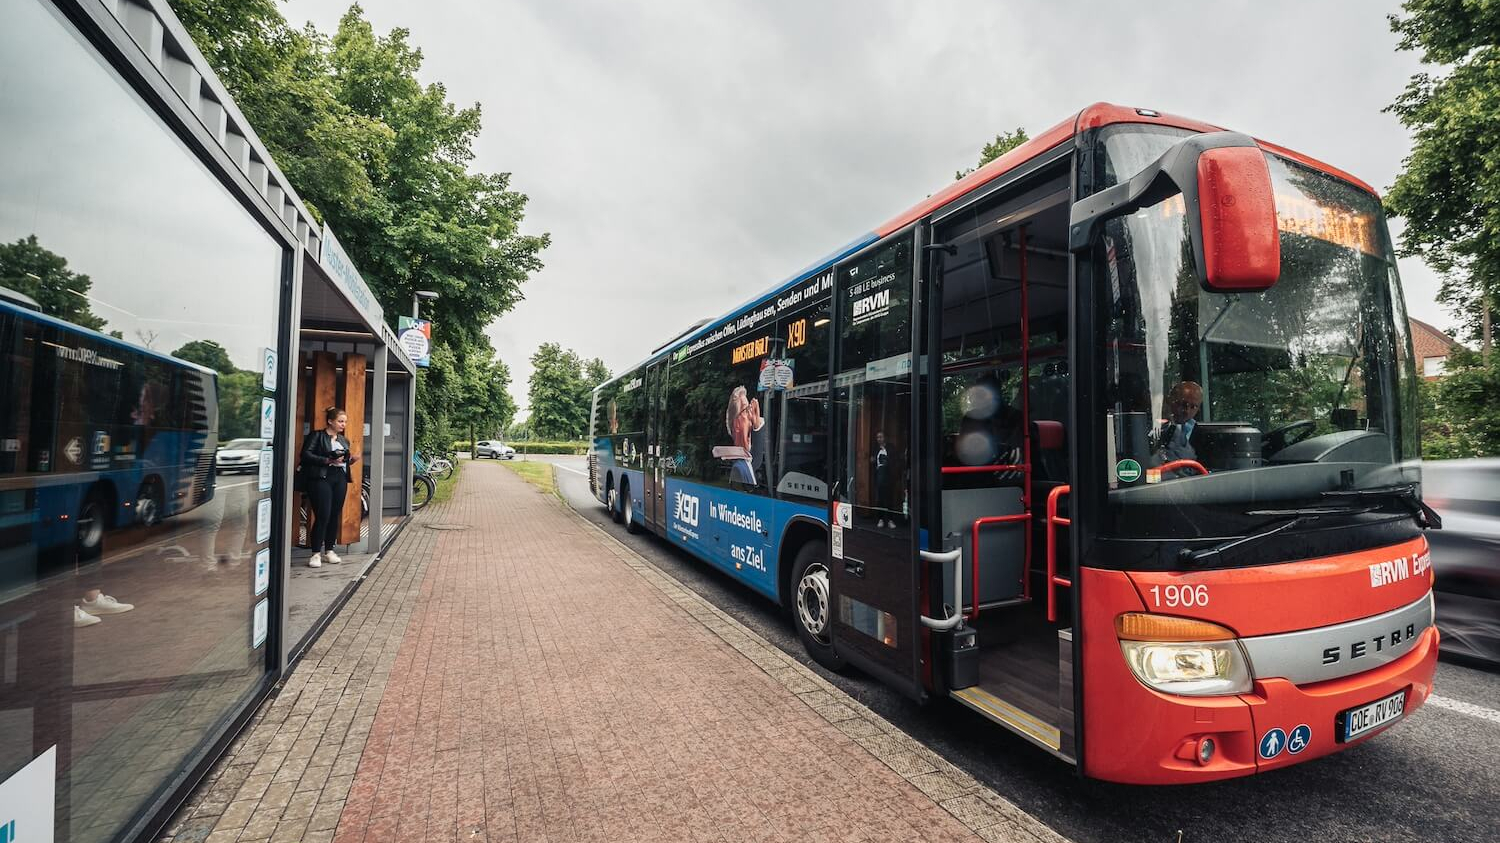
point(1176, 464)
point(1054, 521)
point(979, 469)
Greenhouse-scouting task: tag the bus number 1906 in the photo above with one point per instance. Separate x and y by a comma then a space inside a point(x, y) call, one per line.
point(1179, 596)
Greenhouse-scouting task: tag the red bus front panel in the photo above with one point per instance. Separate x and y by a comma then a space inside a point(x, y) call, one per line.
point(1327, 623)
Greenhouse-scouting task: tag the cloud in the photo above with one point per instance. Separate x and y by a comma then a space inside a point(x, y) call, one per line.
point(687, 156)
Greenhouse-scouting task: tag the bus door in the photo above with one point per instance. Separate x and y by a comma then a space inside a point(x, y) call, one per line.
point(996, 350)
point(872, 548)
point(654, 480)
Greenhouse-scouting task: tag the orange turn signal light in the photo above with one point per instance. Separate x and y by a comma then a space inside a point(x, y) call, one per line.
point(1139, 626)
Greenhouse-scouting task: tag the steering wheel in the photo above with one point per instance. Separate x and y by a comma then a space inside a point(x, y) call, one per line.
point(1286, 436)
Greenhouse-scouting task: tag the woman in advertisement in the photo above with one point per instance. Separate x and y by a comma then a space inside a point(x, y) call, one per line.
point(743, 419)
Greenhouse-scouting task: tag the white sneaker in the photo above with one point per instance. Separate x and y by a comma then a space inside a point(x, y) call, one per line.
point(82, 618)
point(315, 561)
point(105, 605)
point(331, 558)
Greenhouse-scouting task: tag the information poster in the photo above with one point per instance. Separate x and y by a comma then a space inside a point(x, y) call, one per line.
point(267, 463)
point(28, 800)
point(262, 623)
point(262, 571)
point(267, 418)
point(263, 521)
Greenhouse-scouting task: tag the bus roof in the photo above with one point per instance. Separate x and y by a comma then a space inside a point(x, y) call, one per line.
point(63, 324)
point(1094, 116)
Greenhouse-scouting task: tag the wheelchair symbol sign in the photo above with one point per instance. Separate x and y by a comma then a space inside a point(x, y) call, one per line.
point(1299, 739)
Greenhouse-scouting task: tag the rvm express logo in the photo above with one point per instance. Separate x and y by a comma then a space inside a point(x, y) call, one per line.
point(8, 832)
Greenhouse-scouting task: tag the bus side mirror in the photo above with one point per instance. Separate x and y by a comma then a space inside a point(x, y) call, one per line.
point(1228, 201)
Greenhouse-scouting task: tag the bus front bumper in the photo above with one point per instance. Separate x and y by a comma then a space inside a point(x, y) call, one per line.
point(1172, 729)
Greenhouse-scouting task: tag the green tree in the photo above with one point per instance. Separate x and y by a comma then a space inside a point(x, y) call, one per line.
point(385, 160)
point(29, 268)
point(558, 393)
point(1460, 414)
point(486, 408)
point(1002, 144)
point(206, 353)
point(1449, 189)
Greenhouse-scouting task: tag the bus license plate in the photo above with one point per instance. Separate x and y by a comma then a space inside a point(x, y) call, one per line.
point(1367, 718)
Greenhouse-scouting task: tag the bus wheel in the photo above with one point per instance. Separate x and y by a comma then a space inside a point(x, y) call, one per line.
point(90, 526)
point(627, 508)
point(612, 501)
point(148, 503)
point(812, 608)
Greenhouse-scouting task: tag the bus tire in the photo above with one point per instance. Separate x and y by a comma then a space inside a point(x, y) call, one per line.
point(812, 606)
point(148, 503)
point(93, 520)
point(627, 509)
point(612, 500)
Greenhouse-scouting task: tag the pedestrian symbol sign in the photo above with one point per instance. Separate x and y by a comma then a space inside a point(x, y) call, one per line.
point(1299, 739)
point(1272, 743)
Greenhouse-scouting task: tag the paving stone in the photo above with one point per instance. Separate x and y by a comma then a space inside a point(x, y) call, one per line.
point(530, 677)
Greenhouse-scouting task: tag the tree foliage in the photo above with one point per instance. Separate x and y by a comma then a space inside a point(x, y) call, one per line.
point(206, 353)
point(561, 391)
point(385, 161)
point(1449, 189)
point(1460, 414)
point(32, 270)
point(1002, 144)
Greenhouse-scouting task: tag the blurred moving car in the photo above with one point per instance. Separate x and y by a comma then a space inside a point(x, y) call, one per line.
point(493, 450)
point(1466, 554)
point(239, 455)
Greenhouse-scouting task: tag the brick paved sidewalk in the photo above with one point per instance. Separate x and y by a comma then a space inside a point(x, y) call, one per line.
point(510, 672)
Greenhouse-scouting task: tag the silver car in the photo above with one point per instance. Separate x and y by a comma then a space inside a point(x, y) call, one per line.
point(493, 449)
point(239, 455)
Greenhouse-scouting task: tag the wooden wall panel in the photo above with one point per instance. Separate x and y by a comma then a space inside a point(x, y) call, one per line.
point(353, 389)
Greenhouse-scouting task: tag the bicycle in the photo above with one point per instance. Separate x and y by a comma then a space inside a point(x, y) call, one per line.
point(441, 467)
point(422, 485)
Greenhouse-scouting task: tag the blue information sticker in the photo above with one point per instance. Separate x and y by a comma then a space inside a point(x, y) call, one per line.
point(1299, 739)
point(1272, 743)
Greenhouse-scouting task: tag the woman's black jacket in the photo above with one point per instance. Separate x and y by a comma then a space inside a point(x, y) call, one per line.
point(317, 454)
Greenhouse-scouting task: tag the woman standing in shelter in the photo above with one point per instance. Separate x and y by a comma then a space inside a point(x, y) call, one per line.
point(325, 464)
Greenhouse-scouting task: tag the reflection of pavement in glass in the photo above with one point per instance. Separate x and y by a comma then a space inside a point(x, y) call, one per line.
point(130, 696)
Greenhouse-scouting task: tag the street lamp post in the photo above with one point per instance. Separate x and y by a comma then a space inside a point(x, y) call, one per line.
point(417, 299)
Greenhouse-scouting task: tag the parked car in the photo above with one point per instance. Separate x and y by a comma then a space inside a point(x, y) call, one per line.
point(239, 455)
point(1466, 554)
point(493, 450)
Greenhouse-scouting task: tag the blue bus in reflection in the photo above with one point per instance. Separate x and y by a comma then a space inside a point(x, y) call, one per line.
point(95, 435)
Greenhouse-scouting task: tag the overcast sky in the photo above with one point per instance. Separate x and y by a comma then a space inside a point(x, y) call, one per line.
point(686, 156)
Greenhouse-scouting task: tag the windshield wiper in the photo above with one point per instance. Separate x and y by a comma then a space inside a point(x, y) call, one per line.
point(1406, 493)
point(1294, 517)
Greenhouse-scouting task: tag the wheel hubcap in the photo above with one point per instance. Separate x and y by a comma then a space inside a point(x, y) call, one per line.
point(145, 509)
point(812, 602)
point(629, 510)
point(90, 526)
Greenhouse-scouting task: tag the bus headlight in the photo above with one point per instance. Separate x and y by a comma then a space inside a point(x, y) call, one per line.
point(1183, 656)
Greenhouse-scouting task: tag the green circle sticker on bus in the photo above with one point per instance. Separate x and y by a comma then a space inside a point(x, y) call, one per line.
point(1128, 471)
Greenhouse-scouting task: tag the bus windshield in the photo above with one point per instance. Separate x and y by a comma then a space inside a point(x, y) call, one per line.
point(1226, 414)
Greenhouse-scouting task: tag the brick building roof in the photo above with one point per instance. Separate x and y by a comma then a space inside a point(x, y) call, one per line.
point(1427, 341)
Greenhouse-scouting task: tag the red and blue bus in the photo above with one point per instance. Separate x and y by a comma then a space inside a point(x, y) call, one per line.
point(95, 435)
point(1109, 441)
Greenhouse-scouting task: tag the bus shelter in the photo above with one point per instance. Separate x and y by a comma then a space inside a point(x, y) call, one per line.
point(348, 358)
